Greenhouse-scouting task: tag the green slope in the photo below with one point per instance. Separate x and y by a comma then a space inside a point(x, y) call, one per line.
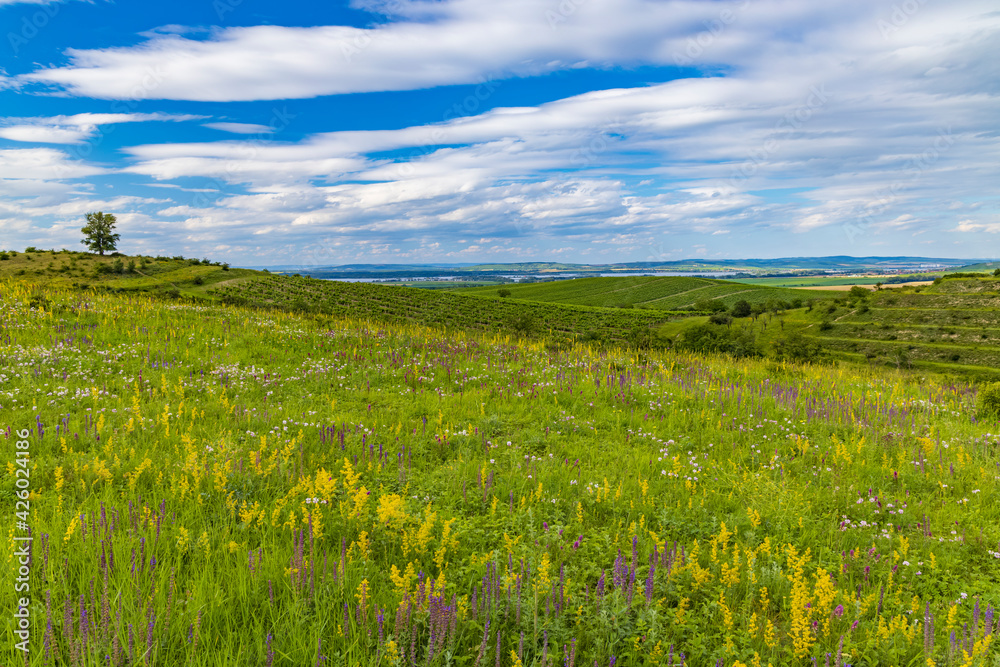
point(661, 293)
point(391, 304)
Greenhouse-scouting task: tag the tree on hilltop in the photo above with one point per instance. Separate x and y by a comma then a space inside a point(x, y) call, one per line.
point(98, 234)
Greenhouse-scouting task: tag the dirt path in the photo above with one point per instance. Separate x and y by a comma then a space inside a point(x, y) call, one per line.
point(847, 288)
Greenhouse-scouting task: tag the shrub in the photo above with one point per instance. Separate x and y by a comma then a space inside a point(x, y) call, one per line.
point(31, 248)
point(741, 309)
point(720, 318)
point(988, 401)
point(4, 257)
point(796, 347)
point(118, 266)
point(524, 324)
point(225, 267)
point(709, 305)
point(825, 325)
point(198, 280)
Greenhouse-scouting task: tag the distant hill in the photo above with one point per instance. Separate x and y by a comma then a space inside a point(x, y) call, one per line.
point(836, 263)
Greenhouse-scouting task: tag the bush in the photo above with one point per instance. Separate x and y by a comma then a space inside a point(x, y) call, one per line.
point(988, 401)
point(225, 267)
point(198, 280)
point(796, 347)
point(704, 338)
point(131, 266)
point(503, 293)
point(720, 318)
point(709, 305)
point(31, 248)
point(4, 257)
point(741, 309)
point(118, 266)
point(524, 324)
point(825, 325)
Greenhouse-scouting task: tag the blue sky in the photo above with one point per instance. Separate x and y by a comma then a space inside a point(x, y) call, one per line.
point(473, 130)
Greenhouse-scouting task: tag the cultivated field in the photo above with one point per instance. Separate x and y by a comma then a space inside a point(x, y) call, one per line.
point(660, 293)
point(224, 485)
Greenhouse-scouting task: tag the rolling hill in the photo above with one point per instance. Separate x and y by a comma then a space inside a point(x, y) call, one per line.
point(659, 293)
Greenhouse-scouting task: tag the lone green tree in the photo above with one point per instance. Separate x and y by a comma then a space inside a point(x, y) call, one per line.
point(98, 234)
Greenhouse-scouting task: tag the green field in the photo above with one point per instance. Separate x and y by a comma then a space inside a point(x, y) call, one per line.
point(830, 281)
point(437, 308)
point(660, 293)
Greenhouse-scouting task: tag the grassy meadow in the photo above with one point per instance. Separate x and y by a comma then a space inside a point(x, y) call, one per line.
point(210, 483)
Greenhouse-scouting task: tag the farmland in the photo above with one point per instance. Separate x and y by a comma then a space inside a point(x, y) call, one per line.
point(239, 484)
point(394, 304)
point(659, 293)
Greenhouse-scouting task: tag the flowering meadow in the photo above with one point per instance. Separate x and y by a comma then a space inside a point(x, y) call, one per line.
point(218, 485)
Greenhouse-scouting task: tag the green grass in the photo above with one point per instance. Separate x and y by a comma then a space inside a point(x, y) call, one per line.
point(209, 481)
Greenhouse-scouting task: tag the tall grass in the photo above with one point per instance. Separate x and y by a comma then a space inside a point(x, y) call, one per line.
point(221, 486)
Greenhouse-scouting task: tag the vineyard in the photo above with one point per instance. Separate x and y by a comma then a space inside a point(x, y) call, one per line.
point(442, 309)
point(660, 293)
point(223, 485)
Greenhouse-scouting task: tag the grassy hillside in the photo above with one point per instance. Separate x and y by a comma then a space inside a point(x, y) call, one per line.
point(950, 327)
point(212, 485)
point(164, 276)
point(660, 293)
point(832, 281)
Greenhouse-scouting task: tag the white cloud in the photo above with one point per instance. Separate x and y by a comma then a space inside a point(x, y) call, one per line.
point(75, 129)
point(466, 41)
point(45, 164)
point(240, 128)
